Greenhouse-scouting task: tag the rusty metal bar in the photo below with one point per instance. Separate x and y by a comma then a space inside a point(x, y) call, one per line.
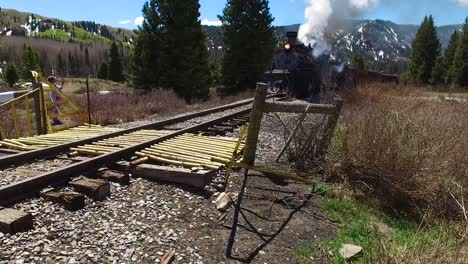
point(20, 190)
point(21, 158)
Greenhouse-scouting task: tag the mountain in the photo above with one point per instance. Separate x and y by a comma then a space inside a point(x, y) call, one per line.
point(377, 40)
point(22, 24)
point(80, 46)
point(72, 49)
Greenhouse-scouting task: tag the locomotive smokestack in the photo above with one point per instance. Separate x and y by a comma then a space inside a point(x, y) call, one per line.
point(292, 37)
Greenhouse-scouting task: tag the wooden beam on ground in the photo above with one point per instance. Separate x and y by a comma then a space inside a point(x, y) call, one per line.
point(168, 258)
point(287, 107)
point(199, 178)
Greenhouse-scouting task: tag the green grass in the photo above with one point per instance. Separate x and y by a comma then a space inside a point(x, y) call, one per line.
point(380, 235)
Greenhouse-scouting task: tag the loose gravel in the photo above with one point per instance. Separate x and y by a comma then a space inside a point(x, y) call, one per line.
point(139, 223)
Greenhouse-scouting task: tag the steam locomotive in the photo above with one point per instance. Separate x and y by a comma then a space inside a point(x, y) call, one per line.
point(300, 74)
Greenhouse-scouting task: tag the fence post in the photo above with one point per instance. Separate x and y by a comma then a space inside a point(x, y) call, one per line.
point(37, 112)
point(43, 112)
point(255, 123)
point(331, 125)
point(89, 102)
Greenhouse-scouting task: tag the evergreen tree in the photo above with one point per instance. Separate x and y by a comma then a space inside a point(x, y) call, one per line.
point(115, 64)
point(30, 62)
point(11, 74)
point(450, 55)
point(87, 61)
point(75, 63)
point(103, 72)
point(184, 53)
point(460, 63)
point(358, 62)
point(60, 64)
point(249, 41)
point(426, 48)
point(439, 71)
point(146, 55)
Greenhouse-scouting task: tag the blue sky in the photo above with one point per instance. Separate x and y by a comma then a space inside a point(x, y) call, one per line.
point(123, 13)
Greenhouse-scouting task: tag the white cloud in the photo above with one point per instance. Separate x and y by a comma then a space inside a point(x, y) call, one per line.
point(207, 22)
point(462, 2)
point(139, 21)
point(124, 22)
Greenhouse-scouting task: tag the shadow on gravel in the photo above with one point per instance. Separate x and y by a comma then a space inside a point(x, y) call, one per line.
point(262, 223)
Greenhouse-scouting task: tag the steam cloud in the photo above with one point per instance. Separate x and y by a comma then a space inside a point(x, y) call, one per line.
point(326, 15)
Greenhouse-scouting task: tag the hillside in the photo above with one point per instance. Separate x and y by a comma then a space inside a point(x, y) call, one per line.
point(377, 39)
point(21, 24)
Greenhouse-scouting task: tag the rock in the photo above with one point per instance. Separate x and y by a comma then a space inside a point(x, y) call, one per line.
point(223, 202)
point(348, 251)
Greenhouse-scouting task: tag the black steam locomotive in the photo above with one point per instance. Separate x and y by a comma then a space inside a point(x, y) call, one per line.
point(297, 72)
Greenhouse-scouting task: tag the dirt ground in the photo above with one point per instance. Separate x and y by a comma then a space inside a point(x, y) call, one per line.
point(273, 221)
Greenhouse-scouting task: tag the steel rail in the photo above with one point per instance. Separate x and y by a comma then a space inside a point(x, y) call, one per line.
point(23, 157)
point(18, 191)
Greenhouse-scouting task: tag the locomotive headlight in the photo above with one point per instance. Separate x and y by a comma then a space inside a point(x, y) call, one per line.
point(287, 46)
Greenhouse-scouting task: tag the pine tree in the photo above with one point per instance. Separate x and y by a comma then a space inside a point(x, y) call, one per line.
point(439, 71)
point(358, 62)
point(60, 64)
point(450, 55)
point(30, 62)
point(146, 55)
point(115, 65)
point(184, 53)
point(460, 63)
point(87, 61)
point(11, 74)
point(103, 72)
point(426, 48)
point(249, 41)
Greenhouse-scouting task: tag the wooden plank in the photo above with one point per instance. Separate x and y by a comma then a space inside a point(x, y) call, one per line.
point(14, 221)
point(19, 190)
point(285, 107)
point(168, 258)
point(49, 151)
point(199, 178)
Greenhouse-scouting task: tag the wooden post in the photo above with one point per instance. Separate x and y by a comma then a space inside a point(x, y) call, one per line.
point(331, 125)
point(255, 123)
point(43, 112)
point(89, 102)
point(37, 112)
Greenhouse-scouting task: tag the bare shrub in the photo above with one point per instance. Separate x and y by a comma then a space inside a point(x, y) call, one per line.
point(126, 107)
point(403, 148)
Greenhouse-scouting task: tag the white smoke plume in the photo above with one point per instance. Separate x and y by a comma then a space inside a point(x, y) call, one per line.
point(324, 15)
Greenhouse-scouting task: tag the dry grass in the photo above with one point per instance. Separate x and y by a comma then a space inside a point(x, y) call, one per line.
point(411, 152)
point(126, 107)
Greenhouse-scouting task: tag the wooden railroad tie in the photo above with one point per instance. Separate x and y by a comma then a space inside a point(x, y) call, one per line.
point(98, 190)
point(117, 177)
point(71, 201)
point(14, 221)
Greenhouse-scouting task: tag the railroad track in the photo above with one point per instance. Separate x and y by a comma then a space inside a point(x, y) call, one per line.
point(107, 149)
